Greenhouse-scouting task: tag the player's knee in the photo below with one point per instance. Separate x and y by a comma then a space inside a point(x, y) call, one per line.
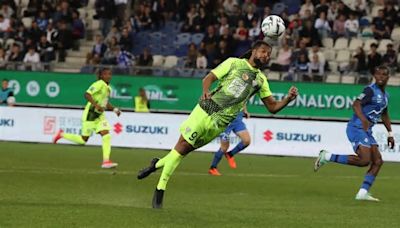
point(224, 148)
point(246, 141)
point(364, 162)
point(378, 162)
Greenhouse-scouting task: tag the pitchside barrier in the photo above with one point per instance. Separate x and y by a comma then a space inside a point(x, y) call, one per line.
point(316, 100)
point(270, 136)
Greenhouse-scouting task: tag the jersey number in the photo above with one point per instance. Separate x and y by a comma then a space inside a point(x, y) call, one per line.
point(193, 136)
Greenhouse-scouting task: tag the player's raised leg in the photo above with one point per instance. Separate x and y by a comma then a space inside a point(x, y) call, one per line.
point(245, 142)
point(78, 139)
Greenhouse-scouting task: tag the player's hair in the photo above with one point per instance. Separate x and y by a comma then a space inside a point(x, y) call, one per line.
point(100, 71)
point(4, 80)
point(255, 45)
point(382, 67)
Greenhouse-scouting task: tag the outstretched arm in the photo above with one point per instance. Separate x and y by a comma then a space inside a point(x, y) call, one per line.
point(275, 106)
point(388, 125)
point(110, 107)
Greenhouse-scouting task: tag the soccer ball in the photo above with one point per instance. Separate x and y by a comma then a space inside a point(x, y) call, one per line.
point(273, 26)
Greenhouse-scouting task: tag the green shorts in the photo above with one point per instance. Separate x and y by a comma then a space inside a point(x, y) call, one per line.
point(97, 125)
point(199, 129)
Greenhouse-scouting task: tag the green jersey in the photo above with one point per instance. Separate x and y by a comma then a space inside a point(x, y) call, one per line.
point(238, 82)
point(100, 91)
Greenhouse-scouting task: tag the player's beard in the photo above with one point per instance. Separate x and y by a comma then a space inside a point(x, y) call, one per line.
point(259, 64)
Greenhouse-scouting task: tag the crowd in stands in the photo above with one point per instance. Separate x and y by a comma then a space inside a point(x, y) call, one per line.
point(203, 33)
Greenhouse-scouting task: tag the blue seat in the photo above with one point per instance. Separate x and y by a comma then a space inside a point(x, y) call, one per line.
point(181, 50)
point(278, 8)
point(200, 73)
point(183, 38)
point(197, 38)
point(167, 50)
point(158, 72)
point(156, 37)
point(185, 72)
point(156, 49)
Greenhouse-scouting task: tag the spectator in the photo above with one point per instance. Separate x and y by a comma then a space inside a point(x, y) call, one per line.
point(332, 12)
point(110, 56)
point(46, 50)
point(241, 32)
point(51, 33)
point(391, 15)
point(223, 24)
point(125, 42)
point(114, 33)
point(145, 19)
point(222, 53)
point(248, 3)
point(202, 20)
point(352, 26)
point(322, 25)
point(3, 59)
point(6, 10)
point(120, 6)
point(191, 56)
point(255, 31)
point(6, 94)
point(201, 60)
point(302, 50)
point(65, 12)
point(235, 16)
point(316, 51)
point(99, 48)
point(229, 6)
point(323, 6)
point(4, 27)
point(64, 41)
point(15, 54)
point(359, 7)
point(250, 16)
point(374, 58)
point(316, 69)
point(380, 28)
point(339, 27)
point(21, 34)
point(390, 57)
point(34, 32)
point(283, 60)
point(124, 61)
point(90, 66)
point(300, 68)
point(105, 13)
point(309, 34)
point(42, 21)
point(308, 5)
point(145, 60)
point(343, 9)
point(190, 16)
point(78, 28)
point(359, 62)
point(31, 59)
point(210, 40)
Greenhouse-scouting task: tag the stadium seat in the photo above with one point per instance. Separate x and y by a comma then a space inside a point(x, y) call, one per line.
point(273, 75)
point(327, 42)
point(181, 50)
point(95, 25)
point(363, 80)
point(343, 56)
point(167, 50)
point(197, 38)
point(158, 60)
point(329, 54)
point(367, 32)
point(183, 39)
point(1, 42)
point(348, 79)
point(278, 8)
point(156, 49)
point(332, 78)
point(156, 37)
point(185, 72)
point(395, 36)
point(333, 66)
point(394, 81)
point(9, 43)
point(27, 21)
point(367, 44)
point(181, 61)
point(375, 9)
point(170, 61)
point(382, 45)
point(355, 43)
point(341, 44)
point(158, 72)
point(200, 73)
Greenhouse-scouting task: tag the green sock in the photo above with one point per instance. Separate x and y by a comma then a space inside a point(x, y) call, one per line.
point(106, 147)
point(170, 162)
point(74, 138)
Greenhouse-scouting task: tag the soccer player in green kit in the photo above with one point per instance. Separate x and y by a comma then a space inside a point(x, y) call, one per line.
point(239, 79)
point(93, 118)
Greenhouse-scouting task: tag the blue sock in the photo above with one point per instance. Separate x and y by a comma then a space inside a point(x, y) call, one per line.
point(239, 147)
point(342, 159)
point(217, 158)
point(368, 181)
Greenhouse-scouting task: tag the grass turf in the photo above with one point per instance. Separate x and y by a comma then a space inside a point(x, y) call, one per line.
point(44, 185)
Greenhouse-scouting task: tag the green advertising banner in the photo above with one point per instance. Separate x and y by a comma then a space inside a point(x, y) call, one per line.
point(181, 94)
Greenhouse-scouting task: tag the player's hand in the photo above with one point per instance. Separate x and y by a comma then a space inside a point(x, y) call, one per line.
point(206, 95)
point(99, 108)
point(365, 125)
point(117, 111)
point(293, 92)
point(390, 141)
point(246, 114)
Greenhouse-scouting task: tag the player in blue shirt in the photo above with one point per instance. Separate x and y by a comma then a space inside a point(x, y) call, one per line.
point(239, 128)
point(368, 108)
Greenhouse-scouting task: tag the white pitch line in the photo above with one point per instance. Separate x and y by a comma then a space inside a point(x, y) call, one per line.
point(132, 173)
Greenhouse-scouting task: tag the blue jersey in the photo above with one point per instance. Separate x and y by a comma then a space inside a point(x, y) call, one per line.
point(4, 94)
point(373, 102)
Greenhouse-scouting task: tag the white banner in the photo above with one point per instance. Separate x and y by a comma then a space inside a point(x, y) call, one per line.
point(161, 131)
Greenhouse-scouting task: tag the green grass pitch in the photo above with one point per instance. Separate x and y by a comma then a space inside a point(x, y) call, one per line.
point(44, 185)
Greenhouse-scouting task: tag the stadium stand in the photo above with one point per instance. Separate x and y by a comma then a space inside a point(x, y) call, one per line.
point(168, 29)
